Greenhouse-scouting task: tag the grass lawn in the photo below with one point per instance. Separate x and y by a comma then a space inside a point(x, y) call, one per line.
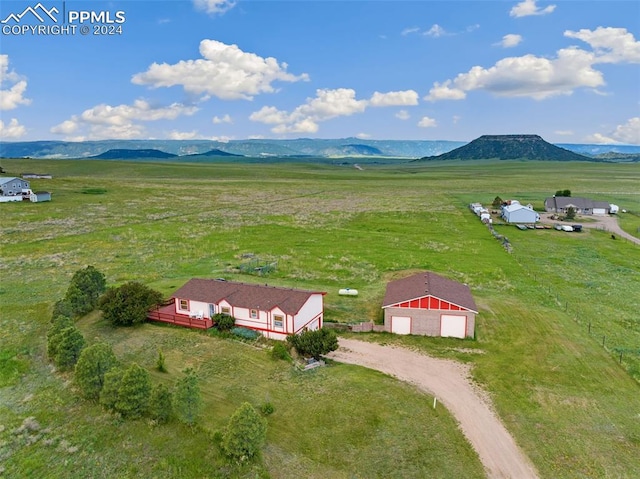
point(545, 312)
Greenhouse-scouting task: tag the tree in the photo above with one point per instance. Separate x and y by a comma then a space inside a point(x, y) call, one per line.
point(84, 290)
point(70, 344)
point(186, 399)
point(58, 323)
point(314, 343)
point(563, 193)
point(570, 214)
point(128, 304)
point(245, 433)
point(62, 308)
point(94, 362)
point(134, 392)
point(161, 403)
point(111, 387)
point(497, 202)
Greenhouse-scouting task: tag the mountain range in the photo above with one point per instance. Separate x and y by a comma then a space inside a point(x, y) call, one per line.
point(263, 148)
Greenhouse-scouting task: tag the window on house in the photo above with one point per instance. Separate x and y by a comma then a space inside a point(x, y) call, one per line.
point(254, 314)
point(278, 321)
point(225, 310)
point(184, 305)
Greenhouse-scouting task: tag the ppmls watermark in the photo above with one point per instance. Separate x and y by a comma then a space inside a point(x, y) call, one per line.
point(39, 20)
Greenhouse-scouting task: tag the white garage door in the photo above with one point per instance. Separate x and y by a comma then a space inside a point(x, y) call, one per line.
point(400, 324)
point(453, 326)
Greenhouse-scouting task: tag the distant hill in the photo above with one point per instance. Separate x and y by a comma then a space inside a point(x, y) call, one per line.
point(214, 152)
point(510, 147)
point(352, 150)
point(125, 154)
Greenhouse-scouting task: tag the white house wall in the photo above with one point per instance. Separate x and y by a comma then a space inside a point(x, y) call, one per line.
point(311, 310)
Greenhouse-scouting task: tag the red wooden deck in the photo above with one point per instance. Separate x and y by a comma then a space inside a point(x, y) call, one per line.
point(167, 314)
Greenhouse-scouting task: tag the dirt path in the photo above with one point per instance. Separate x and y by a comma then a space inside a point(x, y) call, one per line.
point(449, 382)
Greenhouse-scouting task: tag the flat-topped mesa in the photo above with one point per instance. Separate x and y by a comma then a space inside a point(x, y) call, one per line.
point(510, 147)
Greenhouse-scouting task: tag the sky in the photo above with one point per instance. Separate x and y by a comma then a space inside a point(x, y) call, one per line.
point(238, 69)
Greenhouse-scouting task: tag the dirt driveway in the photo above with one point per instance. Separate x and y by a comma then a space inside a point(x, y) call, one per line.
point(608, 223)
point(450, 383)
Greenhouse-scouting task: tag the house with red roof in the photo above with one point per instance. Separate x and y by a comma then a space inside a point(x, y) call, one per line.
point(430, 305)
point(273, 311)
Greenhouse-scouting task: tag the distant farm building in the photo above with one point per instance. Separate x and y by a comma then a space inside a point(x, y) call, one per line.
point(428, 304)
point(582, 206)
point(12, 186)
point(16, 189)
point(46, 176)
point(514, 212)
point(274, 312)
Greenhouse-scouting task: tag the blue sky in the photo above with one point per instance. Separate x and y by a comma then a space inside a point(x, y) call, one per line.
point(218, 69)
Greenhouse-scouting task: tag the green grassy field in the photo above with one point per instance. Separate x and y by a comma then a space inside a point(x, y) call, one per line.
point(545, 312)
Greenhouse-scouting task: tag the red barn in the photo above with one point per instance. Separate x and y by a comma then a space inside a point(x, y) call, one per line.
point(430, 305)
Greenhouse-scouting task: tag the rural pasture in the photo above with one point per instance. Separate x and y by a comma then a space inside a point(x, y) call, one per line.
point(557, 340)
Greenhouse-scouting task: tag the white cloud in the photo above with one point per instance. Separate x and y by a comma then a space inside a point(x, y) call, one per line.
point(510, 40)
point(214, 7)
point(427, 122)
point(435, 31)
point(529, 7)
point(526, 76)
point(456, 119)
point(610, 45)
point(182, 135)
point(394, 98)
point(225, 119)
point(363, 136)
point(403, 115)
point(13, 129)
point(627, 133)
point(408, 31)
point(225, 71)
point(13, 96)
point(105, 121)
point(304, 119)
point(443, 91)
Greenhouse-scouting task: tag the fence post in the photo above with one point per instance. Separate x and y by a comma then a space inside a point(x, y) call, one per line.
point(620, 357)
point(603, 340)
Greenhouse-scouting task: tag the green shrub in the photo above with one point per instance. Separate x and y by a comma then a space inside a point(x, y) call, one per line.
point(160, 364)
point(128, 304)
point(267, 409)
point(161, 403)
point(314, 343)
point(280, 351)
point(224, 322)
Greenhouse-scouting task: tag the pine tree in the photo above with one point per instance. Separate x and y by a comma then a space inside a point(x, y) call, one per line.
point(69, 345)
point(84, 290)
point(94, 362)
point(186, 399)
point(160, 404)
point(245, 433)
point(111, 388)
point(134, 392)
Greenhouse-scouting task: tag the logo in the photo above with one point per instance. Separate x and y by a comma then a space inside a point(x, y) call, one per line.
point(39, 20)
point(34, 12)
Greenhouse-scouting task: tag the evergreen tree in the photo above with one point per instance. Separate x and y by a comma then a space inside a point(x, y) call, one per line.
point(84, 290)
point(134, 392)
point(128, 304)
point(245, 433)
point(94, 362)
point(57, 324)
point(111, 388)
point(70, 344)
point(186, 399)
point(160, 404)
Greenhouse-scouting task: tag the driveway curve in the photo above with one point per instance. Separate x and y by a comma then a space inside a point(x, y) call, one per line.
point(449, 381)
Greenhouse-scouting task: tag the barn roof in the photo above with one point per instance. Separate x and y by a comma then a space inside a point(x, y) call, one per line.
point(428, 283)
point(243, 295)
